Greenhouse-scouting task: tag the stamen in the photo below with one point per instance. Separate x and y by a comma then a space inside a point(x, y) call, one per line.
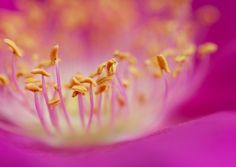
point(120, 55)
point(91, 106)
point(102, 88)
point(81, 109)
point(51, 110)
point(207, 48)
point(33, 87)
point(40, 113)
point(40, 71)
point(13, 47)
point(16, 53)
point(162, 62)
point(54, 61)
point(4, 80)
point(54, 55)
point(181, 59)
point(113, 95)
point(54, 102)
point(99, 105)
point(80, 89)
point(102, 80)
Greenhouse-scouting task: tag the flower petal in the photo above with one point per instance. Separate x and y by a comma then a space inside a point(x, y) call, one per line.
point(209, 141)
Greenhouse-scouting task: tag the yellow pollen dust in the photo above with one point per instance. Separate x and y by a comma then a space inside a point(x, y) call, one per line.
point(13, 47)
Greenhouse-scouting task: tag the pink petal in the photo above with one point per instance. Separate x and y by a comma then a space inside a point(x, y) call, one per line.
point(209, 141)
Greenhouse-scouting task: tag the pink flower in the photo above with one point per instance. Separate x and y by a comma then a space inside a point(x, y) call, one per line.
point(129, 107)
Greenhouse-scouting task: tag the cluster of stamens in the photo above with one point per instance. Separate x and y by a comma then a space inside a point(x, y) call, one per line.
point(100, 95)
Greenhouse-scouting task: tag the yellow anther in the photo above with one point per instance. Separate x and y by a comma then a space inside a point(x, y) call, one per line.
point(54, 102)
point(54, 54)
point(157, 74)
point(162, 63)
point(102, 88)
point(100, 68)
point(14, 48)
point(31, 80)
point(190, 50)
point(207, 48)
point(111, 70)
point(93, 74)
point(40, 71)
point(181, 58)
point(3, 80)
point(88, 80)
point(120, 55)
point(135, 71)
point(79, 76)
point(121, 100)
point(75, 80)
point(132, 60)
point(102, 80)
point(176, 71)
point(55, 86)
point(79, 89)
point(111, 66)
point(20, 74)
point(75, 93)
point(33, 87)
point(125, 83)
point(44, 64)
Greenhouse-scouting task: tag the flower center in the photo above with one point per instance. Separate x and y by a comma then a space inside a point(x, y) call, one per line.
point(110, 104)
point(104, 100)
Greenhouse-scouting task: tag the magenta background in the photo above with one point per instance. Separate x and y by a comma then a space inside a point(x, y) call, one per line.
point(207, 141)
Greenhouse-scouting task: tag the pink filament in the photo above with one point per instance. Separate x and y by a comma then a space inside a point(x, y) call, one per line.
point(91, 106)
point(166, 88)
point(113, 94)
point(65, 113)
point(99, 109)
point(40, 113)
point(14, 80)
point(52, 112)
point(81, 109)
point(122, 89)
point(13, 75)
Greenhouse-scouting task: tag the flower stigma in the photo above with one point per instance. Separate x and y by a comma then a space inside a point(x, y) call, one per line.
point(112, 76)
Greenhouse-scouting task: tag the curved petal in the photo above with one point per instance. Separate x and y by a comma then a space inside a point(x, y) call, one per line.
point(209, 141)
